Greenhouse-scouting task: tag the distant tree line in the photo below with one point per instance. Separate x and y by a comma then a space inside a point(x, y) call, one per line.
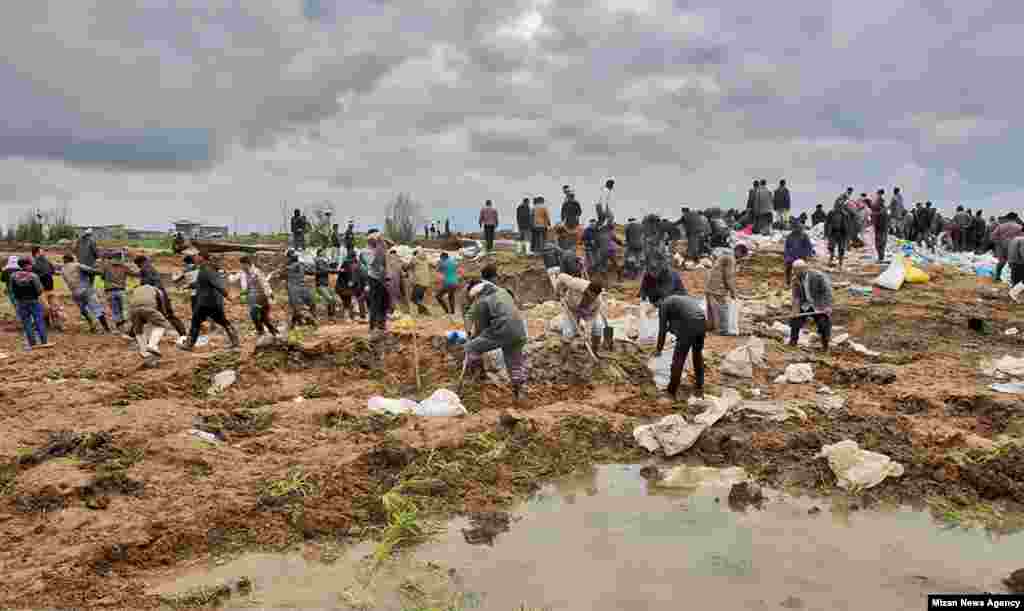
point(43, 226)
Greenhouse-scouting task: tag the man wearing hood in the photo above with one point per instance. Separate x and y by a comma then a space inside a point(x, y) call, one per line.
point(26, 289)
point(498, 324)
point(541, 223)
point(300, 300)
point(524, 219)
point(798, 246)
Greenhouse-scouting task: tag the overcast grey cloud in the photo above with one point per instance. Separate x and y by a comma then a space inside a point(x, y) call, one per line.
point(144, 111)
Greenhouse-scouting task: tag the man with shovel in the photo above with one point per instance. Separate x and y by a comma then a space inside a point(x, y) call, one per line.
point(498, 324)
point(812, 297)
point(584, 309)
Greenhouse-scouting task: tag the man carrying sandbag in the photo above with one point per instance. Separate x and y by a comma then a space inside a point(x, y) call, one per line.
point(812, 298)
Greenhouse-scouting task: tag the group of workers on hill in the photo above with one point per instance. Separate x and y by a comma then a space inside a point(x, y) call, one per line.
point(376, 280)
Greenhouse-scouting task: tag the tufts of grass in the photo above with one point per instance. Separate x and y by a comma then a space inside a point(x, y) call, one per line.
point(404, 528)
point(293, 486)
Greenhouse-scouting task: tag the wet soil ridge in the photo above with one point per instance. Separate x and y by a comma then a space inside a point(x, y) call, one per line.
point(102, 485)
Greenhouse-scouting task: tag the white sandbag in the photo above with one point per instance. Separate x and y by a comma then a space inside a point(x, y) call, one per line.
point(858, 469)
point(441, 404)
point(797, 373)
point(741, 361)
point(644, 436)
point(661, 366)
point(1015, 292)
point(382, 405)
point(675, 434)
point(648, 332)
point(893, 277)
point(730, 318)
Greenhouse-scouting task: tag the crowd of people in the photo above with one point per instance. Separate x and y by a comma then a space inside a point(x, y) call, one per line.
point(371, 283)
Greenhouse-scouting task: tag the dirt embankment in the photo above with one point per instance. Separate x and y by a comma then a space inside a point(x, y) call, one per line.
point(103, 486)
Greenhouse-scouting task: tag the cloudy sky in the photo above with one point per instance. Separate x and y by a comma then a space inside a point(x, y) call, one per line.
point(143, 111)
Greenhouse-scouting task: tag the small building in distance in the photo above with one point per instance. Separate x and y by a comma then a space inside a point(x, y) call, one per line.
point(104, 232)
point(213, 231)
point(194, 229)
point(188, 229)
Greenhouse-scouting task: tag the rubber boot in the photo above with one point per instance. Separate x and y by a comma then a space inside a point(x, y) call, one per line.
point(609, 339)
point(825, 340)
point(595, 344)
point(332, 311)
point(103, 323)
point(154, 341)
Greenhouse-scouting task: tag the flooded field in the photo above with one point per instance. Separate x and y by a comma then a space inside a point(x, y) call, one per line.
point(607, 539)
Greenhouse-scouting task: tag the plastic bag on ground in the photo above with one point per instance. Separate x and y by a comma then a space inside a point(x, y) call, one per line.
point(858, 469)
point(1014, 388)
point(893, 277)
point(382, 405)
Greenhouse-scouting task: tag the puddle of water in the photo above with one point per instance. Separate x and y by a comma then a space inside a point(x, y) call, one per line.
point(607, 540)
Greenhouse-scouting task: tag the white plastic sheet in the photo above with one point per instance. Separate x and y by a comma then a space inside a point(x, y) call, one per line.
point(799, 373)
point(443, 403)
point(673, 434)
point(858, 469)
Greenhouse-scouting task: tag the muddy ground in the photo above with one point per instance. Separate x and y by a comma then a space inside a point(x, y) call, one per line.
point(103, 489)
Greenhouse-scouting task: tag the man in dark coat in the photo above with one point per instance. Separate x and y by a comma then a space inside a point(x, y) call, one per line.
point(812, 293)
point(524, 220)
point(633, 262)
point(684, 317)
point(880, 220)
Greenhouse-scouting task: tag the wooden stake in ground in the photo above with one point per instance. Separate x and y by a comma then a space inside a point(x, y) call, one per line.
point(416, 357)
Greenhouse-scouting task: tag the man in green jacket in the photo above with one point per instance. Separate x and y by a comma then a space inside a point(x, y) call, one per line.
point(498, 324)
